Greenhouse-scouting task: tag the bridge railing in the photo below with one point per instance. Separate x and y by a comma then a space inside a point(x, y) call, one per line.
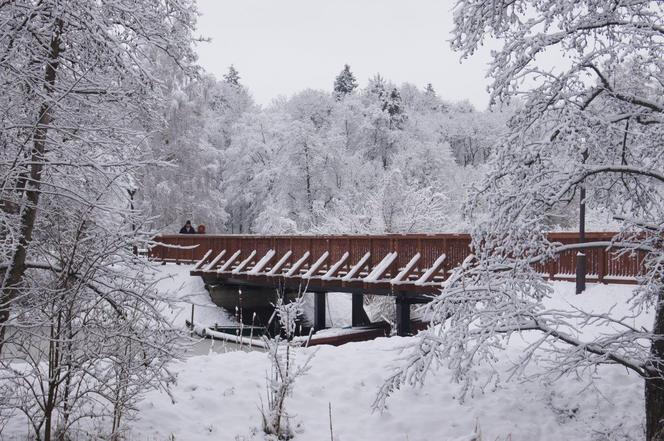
point(602, 265)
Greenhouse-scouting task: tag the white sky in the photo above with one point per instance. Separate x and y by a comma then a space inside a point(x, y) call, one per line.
point(281, 47)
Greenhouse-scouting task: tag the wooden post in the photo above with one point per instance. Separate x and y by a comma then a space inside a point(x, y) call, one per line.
point(192, 319)
point(552, 268)
point(581, 261)
point(193, 250)
point(403, 315)
point(394, 267)
point(448, 252)
point(319, 310)
point(603, 253)
point(359, 316)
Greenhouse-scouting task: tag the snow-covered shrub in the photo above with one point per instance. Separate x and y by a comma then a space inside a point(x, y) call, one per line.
point(284, 369)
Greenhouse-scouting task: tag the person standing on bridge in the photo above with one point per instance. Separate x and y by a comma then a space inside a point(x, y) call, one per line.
point(187, 229)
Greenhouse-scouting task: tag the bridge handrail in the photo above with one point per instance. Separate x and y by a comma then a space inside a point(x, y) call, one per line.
point(602, 264)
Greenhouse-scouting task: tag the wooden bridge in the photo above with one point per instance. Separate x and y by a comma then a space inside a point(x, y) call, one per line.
point(408, 267)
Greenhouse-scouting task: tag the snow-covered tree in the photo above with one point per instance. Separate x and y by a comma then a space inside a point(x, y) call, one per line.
point(194, 148)
point(345, 83)
point(284, 370)
point(472, 135)
point(596, 120)
point(311, 163)
point(232, 77)
point(82, 80)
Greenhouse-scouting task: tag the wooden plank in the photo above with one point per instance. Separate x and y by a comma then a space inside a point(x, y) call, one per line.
point(380, 269)
point(406, 270)
point(202, 261)
point(244, 263)
point(334, 268)
point(215, 261)
point(261, 263)
point(316, 265)
point(430, 272)
point(357, 267)
point(296, 266)
point(229, 262)
point(280, 263)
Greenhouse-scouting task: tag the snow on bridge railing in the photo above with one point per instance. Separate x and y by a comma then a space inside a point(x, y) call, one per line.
point(316, 256)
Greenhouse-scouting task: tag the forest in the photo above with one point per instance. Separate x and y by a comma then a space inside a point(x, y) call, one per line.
point(381, 159)
point(111, 133)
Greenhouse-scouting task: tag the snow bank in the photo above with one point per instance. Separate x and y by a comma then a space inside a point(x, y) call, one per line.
point(218, 397)
point(174, 281)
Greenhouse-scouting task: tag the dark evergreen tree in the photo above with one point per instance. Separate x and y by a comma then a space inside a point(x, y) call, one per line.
point(393, 105)
point(233, 76)
point(345, 83)
point(429, 90)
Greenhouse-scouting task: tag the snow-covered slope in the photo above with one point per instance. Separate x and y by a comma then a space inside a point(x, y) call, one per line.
point(218, 398)
point(174, 281)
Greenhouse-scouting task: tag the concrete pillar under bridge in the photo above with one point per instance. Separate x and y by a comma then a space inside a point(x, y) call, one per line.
point(359, 316)
point(259, 300)
point(248, 300)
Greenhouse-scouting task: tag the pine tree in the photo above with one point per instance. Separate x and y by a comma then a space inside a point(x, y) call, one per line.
point(233, 76)
point(429, 90)
point(393, 105)
point(345, 83)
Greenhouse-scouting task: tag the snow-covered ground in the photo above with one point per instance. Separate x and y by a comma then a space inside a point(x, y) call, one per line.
point(218, 396)
point(174, 281)
point(220, 390)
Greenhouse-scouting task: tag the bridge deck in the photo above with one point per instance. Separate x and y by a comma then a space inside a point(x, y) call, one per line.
point(412, 264)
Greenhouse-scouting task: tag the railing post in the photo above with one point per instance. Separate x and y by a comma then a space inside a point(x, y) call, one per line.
point(552, 268)
point(602, 265)
point(193, 251)
point(394, 267)
point(371, 256)
point(329, 253)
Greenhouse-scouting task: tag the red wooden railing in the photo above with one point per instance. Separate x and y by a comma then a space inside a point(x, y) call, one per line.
point(602, 265)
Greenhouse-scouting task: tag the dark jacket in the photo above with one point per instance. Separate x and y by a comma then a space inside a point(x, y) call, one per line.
point(184, 230)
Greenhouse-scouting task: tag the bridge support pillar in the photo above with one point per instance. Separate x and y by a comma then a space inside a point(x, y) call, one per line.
point(359, 316)
point(403, 315)
point(319, 310)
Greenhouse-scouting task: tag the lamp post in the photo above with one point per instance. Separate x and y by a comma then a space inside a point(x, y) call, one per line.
point(581, 254)
point(132, 192)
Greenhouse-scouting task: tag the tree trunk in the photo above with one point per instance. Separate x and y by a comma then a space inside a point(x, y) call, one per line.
point(654, 388)
point(16, 271)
